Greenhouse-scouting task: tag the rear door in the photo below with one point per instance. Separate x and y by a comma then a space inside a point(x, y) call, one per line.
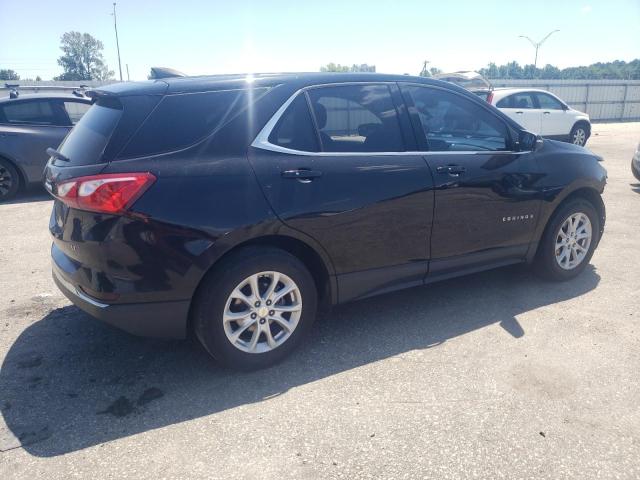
point(485, 201)
point(342, 175)
point(29, 128)
point(522, 108)
point(555, 121)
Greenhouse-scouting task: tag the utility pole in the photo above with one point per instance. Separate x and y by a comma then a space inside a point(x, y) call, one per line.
point(128, 78)
point(537, 45)
point(425, 72)
point(115, 26)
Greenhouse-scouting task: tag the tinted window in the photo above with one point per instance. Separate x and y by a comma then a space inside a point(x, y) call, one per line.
point(517, 100)
point(356, 118)
point(39, 112)
point(295, 129)
point(183, 119)
point(547, 102)
point(451, 122)
point(87, 140)
point(76, 110)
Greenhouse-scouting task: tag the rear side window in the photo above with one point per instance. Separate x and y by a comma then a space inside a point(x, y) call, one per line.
point(39, 112)
point(87, 140)
point(295, 129)
point(183, 119)
point(356, 118)
point(522, 100)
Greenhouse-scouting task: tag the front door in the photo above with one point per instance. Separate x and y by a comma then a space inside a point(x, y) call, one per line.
point(522, 108)
point(485, 204)
point(555, 121)
point(343, 178)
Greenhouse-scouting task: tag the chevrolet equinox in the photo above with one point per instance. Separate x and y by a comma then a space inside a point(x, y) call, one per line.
point(235, 206)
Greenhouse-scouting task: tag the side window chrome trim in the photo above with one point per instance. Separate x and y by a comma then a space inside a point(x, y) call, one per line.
point(262, 139)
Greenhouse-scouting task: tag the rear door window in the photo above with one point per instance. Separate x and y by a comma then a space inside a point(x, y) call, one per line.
point(356, 118)
point(182, 120)
point(523, 100)
point(295, 128)
point(38, 112)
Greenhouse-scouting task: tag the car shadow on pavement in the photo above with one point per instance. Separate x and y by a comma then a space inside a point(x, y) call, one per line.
point(33, 194)
point(70, 382)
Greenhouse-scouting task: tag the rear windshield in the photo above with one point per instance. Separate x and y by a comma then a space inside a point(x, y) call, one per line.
point(182, 120)
point(87, 140)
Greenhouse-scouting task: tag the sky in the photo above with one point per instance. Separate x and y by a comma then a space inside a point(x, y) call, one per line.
point(237, 36)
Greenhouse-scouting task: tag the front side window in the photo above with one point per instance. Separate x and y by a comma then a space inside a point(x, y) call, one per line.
point(547, 102)
point(356, 118)
point(295, 128)
point(76, 110)
point(522, 100)
point(451, 122)
point(38, 112)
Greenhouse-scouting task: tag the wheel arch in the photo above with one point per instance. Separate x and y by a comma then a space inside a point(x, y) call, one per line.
point(585, 123)
point(320, 267)
point(591, 194)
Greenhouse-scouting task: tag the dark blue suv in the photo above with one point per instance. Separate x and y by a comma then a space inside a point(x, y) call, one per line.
point(234, 206)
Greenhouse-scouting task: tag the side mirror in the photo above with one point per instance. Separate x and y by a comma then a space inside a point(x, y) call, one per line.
point(529, 141)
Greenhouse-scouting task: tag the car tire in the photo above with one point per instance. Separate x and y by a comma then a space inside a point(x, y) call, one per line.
point(9, 180)
point(635, 171)
point(256, 340)
point(579, 135)
point(555, 257)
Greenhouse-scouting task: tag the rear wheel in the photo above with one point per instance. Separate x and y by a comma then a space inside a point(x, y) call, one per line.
point(569, 240)
point(9, 180)
point(579, 135)
point(255, 308)
point(635, 171)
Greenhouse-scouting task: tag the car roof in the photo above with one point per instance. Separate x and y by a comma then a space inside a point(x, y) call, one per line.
point(504, 91)
point(44, 96)
point(234, 81)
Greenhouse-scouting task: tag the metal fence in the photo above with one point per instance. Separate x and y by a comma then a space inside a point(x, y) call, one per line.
point(603, 100)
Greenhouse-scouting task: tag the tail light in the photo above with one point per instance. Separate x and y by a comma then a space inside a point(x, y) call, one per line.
point(490, 98)
point(110, 193)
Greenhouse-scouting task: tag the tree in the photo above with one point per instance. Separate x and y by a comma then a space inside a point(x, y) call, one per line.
point(82, 58)
point(336, 67)
point(38, 78)
point(8, 74)
point(616, 70)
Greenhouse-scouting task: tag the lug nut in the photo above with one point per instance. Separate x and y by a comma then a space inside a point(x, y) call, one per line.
point(257, 304)
point(272, 312)
point(253, 315)
point(268, 302)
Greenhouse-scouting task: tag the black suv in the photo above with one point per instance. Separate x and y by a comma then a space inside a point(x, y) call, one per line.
point(235, 206)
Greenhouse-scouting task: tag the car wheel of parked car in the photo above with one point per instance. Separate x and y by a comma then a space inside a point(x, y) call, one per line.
point(635, 171)
point(578, 135)
point(569, 240)
point(9, 180)
point(255, 307)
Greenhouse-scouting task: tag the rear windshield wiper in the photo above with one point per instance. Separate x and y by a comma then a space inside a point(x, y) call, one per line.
point(52, 152)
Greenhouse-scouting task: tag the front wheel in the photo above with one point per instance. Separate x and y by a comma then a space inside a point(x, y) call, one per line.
point(579, 135)
point(635, 171)
point(255, 308)
point(569, 240)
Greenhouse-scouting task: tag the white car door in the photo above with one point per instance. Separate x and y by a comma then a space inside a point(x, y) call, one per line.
point(555, 120)
point(522, 108)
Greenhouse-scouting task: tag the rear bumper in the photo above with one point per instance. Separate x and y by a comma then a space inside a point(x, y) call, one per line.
point(155, 319)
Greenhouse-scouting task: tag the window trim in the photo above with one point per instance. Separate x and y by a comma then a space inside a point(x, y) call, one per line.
point(261, 141)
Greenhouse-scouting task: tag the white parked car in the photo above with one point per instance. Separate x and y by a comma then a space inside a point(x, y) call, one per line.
point(635, 164)
point(543, 113)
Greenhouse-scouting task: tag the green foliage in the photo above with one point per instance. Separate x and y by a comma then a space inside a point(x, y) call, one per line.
point(617, 70)
point(82, 58)
point(8, 74)
point(333, 67)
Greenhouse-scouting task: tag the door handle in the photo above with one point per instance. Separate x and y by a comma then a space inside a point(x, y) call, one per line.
point(519, 113)
point(453, 170)
point(547, 113)
point(302, 174)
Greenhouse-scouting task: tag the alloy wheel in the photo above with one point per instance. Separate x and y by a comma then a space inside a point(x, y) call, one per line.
point(573, 241)
point(6, 181)
point(262, 312)
point(579, 137)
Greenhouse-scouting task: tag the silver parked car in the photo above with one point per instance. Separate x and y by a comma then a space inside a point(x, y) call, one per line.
point(635, 163)
point(29, 124)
